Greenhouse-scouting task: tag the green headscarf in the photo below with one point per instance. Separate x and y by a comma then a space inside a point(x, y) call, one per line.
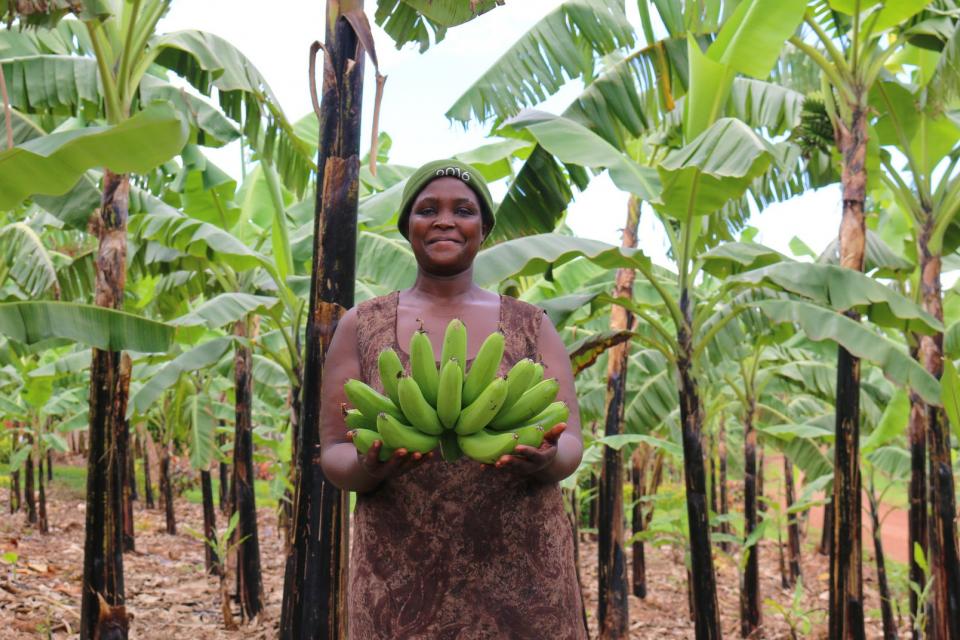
point(445, 169)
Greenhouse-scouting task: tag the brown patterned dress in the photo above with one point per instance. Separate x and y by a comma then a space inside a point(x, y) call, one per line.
point(451, 551)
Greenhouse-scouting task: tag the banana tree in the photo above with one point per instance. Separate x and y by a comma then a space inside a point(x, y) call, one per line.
point(235, 268)
point(118, 42)
point(851, 41)
point(929, 198)
point(314, 588)
point(103, 329)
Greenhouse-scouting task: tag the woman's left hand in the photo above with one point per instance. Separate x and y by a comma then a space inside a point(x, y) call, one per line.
point(526, 460)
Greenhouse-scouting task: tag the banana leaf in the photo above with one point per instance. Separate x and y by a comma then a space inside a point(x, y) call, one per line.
point(107, 329)
point(54, 163)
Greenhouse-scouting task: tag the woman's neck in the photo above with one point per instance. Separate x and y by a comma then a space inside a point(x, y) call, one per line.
point(452, 288)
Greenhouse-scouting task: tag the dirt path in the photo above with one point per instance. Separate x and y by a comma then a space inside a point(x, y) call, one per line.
point(170, 596)
point(894, 526)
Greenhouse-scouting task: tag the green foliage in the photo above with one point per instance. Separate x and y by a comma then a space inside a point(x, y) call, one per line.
point(33, 322)
point(415, 20)
point(577, 31)
point(52, 164)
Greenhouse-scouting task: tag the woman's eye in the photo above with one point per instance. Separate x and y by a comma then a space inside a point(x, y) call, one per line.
point(426, 211)
point(465, 211)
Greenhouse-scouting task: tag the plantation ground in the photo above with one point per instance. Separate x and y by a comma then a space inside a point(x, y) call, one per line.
point(170, 596)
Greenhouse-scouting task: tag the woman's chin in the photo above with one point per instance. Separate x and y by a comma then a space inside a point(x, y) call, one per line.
point(444, 268)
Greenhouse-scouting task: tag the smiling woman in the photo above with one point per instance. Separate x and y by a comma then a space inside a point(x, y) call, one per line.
point(453, 549)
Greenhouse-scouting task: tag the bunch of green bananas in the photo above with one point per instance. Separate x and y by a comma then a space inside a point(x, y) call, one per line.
point(463, 411)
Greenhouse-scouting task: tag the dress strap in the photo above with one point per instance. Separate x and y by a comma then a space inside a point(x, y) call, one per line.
point(376, 327)
point(521, 327)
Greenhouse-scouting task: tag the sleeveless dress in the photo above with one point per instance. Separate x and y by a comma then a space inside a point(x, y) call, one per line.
point(452, 551)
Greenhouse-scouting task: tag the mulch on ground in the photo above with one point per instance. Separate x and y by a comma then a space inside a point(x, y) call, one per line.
point(169, 594)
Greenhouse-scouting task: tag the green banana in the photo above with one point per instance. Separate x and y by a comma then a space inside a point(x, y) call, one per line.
point(537, 375)
point(554, 414)
point(487, 447)
point(530, 436)
point(532, 402)
point(449, 393)
point(484, 367)
point(363, 439)
point(401, 436)
point(423, 367)
point(415, 407)
point(454, 342)
point(518, 381)
point(368, 401)
point(356, 420)
point(390, 371)
point(480, 412)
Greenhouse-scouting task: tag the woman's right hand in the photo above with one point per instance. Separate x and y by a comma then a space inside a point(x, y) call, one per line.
point(398, 464)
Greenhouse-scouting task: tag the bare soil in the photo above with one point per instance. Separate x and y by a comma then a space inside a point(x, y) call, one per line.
point(170, 596)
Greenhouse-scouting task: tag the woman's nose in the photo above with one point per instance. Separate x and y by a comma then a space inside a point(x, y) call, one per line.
point(444, 219)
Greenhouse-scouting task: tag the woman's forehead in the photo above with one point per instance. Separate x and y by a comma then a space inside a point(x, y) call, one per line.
point(447, 188)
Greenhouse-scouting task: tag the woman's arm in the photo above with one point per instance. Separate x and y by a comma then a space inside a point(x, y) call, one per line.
point(562, 448)
point(557, 365)
point(338, 457)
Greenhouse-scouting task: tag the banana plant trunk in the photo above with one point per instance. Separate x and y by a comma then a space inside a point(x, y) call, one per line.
point(15, 495)
point(103, 571)
point(917, 518)
point(722, 480)
point(613, 605)
point(296, 411)
point(248, 548)
point(943, 557)
point(147, 485)
point(116, 467)
point(50, 465)
point(704, 583)
point(712, 474)
point(223, 495)
point(638, 471)
point(314, 590)
point(211, 561)
point(166, 491)
point(750, 578)
point(846, 579)
point(28, 480)
point(42, 523)
point(131, 474)
point(886, 609)
point(126, 482)
point(793, 525)
point(826, 535)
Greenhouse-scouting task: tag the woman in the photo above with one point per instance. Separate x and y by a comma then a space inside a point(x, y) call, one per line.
point(453, 550)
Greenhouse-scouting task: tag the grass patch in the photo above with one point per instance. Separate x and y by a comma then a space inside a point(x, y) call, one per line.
point(73, 481)
point(261, 489)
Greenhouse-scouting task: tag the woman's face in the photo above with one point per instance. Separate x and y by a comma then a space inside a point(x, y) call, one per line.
point(445, 227)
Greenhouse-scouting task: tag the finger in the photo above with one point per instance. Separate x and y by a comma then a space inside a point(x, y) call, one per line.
point(525, 451)
point(513, 464)
point(372, 459)
point(554, 434)
point(502, 461)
